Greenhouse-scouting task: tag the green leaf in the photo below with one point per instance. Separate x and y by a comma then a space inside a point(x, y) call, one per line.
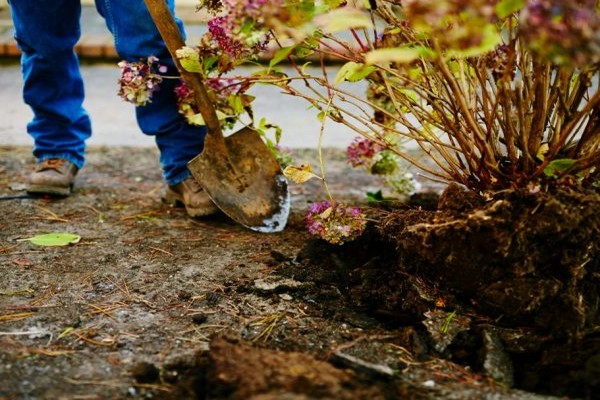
point(303, 51)
point(504, 8)
point(53, 239)
point(342, 19)
point(321, 116)
point(281, 55)
point(555, 167)
point(209, 62)
point(198, 120)
point(377, 198)
point(236, 103)
point(334, 3)
point(402, 54)
point(189, 59)
point(353, 72)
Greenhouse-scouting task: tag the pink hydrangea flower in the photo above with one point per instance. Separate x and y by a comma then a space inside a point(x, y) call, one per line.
point(361, 152)
point(139, 80)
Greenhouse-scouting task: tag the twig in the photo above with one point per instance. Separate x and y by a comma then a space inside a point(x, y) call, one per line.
point(53, 216)
point(161, 250)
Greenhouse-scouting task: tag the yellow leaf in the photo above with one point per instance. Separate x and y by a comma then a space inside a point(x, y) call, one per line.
point(542, 151)
point(325, 214)
point(299, 174)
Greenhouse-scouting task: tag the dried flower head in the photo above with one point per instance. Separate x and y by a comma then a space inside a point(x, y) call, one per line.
point(139, 80)
point(335, 223)
point(500, 63)
point(213, 6)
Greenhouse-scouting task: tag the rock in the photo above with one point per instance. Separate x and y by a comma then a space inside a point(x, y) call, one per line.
point(497, 362)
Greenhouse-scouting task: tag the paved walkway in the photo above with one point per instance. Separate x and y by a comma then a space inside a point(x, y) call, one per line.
point(113, 120)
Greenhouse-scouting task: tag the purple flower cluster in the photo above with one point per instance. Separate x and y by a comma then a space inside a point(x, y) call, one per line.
point(222, 89)
point(335, 223)
point(361, 152)
point(240, 30)
point(220, 29)
point(227, 86)
point(185, 100)
point(139, 80)
point(564, 31)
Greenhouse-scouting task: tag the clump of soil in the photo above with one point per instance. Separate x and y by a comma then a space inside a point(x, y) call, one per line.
point(236, 370)
point(510, 286)
point(523, 259)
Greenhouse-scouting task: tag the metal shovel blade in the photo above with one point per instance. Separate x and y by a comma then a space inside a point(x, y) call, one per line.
point(244, 180)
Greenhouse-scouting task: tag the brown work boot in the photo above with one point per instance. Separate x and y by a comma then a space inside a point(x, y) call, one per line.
point(190, 194)
point(53, 176)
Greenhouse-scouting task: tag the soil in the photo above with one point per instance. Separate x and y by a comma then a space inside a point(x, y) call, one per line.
point(153, 304)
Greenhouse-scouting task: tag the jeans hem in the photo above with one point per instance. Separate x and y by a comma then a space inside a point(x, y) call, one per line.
point(78, 163)
point(182, 176)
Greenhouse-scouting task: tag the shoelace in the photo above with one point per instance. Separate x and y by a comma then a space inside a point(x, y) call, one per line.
point(51, 163)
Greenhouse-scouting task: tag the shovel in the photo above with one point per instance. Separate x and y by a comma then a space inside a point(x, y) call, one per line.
point(238, 172)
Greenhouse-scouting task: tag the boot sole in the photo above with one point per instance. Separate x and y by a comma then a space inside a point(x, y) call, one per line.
point(50, 190)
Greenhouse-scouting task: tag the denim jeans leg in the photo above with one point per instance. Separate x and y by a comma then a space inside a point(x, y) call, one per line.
point(136, 37)
point(46, 32)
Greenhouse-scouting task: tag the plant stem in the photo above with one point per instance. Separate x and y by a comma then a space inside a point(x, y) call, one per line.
point(320, 150)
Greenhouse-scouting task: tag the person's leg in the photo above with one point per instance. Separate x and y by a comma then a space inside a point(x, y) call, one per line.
point(46, 32)
point(136, 38)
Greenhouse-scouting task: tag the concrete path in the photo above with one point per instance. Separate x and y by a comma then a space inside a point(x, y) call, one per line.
point(114, 121)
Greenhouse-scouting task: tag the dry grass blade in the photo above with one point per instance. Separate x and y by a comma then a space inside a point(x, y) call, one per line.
point(117, 384)
point(105, 309)
point(269, 323)
point(15, 316)
point(100, 214)
point(22, 292)
point(48, 352)
point(144, 215)
point(52, 215)
point(6, 249)
point(47, 294)
point(161, 250)
point(108, 341)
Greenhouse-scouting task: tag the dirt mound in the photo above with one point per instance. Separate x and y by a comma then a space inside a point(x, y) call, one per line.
point(509, 286)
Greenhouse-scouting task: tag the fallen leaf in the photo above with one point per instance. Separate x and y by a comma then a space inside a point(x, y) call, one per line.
point(299, 174)
point(53, 239)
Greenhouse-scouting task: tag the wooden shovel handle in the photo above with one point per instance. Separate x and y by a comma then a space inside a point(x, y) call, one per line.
point(168, 29)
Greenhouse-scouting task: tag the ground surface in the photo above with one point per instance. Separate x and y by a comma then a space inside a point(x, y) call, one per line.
point(152, 304)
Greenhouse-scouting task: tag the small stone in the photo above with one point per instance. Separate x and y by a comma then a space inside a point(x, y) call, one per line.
point(429, 383)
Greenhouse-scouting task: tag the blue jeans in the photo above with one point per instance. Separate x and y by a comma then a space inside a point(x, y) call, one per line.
point(46, 32)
